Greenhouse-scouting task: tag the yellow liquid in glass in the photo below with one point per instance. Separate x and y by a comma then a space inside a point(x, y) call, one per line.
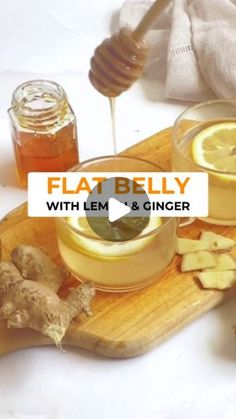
point(222, 189)
point(117, 266)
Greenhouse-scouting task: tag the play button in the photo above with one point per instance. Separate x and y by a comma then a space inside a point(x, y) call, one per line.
point(117, 217)
point(116, 210)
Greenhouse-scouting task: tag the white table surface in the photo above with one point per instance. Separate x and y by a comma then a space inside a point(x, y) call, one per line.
point(192, 375)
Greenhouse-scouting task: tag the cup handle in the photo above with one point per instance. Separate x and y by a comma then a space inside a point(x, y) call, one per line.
point(185, 221)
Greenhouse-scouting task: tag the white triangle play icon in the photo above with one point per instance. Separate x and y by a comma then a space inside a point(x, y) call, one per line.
point(117, 210)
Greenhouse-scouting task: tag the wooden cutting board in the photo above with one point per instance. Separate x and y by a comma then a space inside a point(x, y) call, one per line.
point(123, 325)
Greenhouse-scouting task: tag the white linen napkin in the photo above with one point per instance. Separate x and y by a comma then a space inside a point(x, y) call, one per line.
point(195, 41)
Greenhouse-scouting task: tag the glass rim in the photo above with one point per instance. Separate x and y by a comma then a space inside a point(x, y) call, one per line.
point(39, 82)
point(191, 109)
point(153, 232)
point(38, 117)
point(115, 156)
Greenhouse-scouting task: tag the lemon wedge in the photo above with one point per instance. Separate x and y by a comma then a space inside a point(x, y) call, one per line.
point(92, 243)
point(215, 147)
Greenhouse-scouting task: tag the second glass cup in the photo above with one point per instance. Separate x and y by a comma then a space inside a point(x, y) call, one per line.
point(117, 266)
point(204, 139)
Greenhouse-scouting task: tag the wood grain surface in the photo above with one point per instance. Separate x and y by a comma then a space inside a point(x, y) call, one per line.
point(123, 325)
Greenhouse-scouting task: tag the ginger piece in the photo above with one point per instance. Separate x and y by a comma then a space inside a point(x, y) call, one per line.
point(188, 246)
point(79, 300)
point(25, 303)
point(35, 265)
point(9, 276)
point(217, 280)
point(197, 260)
point(217, 242)
point(224, 262)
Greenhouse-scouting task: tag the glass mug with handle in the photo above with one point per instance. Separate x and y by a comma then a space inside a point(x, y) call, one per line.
point(204, 139)
point(117, 266)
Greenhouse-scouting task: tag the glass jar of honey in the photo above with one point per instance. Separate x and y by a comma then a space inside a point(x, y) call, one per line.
point(43, 129)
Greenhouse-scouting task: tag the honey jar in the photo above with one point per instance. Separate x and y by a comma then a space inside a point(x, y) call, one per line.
point(43, 129)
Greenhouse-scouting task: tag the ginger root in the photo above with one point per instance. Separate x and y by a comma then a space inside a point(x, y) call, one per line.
point(33, 304)
point(34, 264)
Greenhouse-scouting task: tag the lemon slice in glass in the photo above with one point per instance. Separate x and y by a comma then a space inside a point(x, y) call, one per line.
point(92, 243)
point(215, 147)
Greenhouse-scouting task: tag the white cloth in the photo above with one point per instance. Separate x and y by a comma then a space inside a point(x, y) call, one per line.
point(194, 41)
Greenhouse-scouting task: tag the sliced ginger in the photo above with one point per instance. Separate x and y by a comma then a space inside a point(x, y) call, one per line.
point(219, 270)
point(224, 262)
point(197, 260)
point(208, 241)
point(188, 246)
point(217, 242)
point(217, 280)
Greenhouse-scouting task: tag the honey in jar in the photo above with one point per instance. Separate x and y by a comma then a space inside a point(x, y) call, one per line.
point(43, 128)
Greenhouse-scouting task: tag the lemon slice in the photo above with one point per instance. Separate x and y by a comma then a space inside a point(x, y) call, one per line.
point(96, 245)
point(215, 147)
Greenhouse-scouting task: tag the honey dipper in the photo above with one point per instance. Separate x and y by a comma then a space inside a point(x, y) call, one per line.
point(119, 61)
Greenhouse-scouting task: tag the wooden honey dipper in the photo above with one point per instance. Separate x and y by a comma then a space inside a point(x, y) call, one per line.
point(119, 61)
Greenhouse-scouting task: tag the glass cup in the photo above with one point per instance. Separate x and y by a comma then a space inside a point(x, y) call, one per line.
point(222, 182)
point(117, 266)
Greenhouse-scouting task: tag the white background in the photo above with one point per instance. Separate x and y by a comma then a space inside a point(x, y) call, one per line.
point(192, 375)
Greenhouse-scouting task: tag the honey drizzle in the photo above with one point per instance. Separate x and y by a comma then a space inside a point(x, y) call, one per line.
point(112, 102)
